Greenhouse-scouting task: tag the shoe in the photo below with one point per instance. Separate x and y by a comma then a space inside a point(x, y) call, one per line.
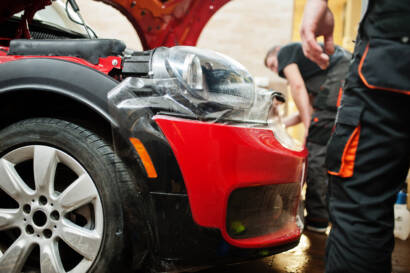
point(314, 226)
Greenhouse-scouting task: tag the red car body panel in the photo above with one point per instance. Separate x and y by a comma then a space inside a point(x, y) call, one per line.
point(105, 65)
point(213, 167)
point(167, 23)
point(158, 23)
point(11, 7)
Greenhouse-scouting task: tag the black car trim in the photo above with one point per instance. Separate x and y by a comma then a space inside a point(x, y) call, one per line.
point(58, 76)
point(87, 49)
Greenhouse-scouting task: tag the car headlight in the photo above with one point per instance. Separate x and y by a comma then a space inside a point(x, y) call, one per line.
point(204, 76)
point(199, 84)
point(192, 72)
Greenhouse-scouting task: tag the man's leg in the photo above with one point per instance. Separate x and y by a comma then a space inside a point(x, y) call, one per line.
point(316, 192)
point(361, 204)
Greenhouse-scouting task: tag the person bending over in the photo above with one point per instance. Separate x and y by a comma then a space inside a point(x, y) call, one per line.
point(316, 93)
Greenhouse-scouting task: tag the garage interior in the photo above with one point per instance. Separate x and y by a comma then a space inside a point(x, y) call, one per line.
point(224, 33)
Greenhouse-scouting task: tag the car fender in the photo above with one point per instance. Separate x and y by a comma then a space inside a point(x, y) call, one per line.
point(81, 83)
point(89, 87)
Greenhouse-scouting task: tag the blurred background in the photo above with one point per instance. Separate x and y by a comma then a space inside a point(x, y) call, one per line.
point(241, 29)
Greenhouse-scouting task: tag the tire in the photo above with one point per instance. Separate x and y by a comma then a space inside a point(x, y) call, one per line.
point(60, 203)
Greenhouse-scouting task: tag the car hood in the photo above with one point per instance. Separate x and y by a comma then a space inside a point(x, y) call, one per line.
point(10, 7)
point(157, 22)
point(167, 22)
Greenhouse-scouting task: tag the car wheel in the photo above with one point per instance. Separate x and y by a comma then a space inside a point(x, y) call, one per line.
point(60, 207)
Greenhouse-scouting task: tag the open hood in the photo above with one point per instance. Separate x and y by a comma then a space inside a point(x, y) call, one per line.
point(167, 22)
point(157, 22)
point(10, 7)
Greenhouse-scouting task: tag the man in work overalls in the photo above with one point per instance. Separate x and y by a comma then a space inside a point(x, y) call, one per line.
point(316, 93)
point(368, 154)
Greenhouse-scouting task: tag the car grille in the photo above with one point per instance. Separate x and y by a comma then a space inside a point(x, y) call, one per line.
point(261, 210)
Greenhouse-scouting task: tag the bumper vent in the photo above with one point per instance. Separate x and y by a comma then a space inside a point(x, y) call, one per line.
point(261, 210)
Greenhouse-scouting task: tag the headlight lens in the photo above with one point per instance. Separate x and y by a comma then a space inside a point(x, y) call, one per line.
point(205, 76)
point(192, 72)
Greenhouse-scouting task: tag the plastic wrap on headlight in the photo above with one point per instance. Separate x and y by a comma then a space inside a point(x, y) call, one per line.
point(200, 84)
point(279, 130)
point(205, 77)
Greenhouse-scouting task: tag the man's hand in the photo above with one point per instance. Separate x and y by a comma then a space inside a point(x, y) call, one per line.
point(317, 21)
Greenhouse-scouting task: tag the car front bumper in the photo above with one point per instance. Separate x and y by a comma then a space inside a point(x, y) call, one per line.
point(239, 180)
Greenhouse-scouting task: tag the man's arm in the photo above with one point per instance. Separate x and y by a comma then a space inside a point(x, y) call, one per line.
point(299, 94)
point(292, 120)
point(317, 21)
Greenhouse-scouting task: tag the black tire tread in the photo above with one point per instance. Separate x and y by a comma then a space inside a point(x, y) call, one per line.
point(118, 263)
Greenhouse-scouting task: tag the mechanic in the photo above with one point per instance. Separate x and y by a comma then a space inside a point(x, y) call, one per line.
point(316, 94)
point(368, 154)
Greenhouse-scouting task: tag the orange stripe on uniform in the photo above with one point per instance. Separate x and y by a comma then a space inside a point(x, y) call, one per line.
point(339, 98)
point(368, 85)
point(349, 155)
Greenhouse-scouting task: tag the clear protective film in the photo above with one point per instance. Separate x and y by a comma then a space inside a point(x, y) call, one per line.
point(167, 119)
point(196, 83)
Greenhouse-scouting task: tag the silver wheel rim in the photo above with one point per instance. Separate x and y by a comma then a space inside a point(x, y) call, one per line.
point(45, 216)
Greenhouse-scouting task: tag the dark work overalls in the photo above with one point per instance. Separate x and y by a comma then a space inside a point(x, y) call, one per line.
point(325, 90)
point(368, 153)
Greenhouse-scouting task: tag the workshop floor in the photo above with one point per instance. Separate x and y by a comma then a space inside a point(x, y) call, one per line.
point(308, 257)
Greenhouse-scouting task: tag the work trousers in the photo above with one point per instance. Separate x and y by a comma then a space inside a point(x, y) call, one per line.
point(317, 180)
point(368, 159)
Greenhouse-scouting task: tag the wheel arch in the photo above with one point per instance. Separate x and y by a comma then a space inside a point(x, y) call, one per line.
point(53, 88)
point(47, 103)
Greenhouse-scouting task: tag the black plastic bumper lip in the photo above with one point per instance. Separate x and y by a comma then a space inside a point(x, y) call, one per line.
point(185, 245)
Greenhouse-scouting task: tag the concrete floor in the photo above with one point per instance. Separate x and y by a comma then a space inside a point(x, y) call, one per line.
point(308, 257)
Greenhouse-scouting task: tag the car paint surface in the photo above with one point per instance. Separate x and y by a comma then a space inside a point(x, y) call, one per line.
point(105, 65)
point(167, 22)
point(157, 22)
point(216, 159)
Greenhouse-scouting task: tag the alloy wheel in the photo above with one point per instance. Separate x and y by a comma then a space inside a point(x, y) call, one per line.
point(51, 218)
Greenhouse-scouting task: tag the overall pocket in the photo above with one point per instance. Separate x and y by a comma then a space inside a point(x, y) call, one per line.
point(321, 126)
point(384, 66)
point(343, 143)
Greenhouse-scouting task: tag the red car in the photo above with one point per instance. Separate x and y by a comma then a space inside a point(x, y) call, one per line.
point(113, 160)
